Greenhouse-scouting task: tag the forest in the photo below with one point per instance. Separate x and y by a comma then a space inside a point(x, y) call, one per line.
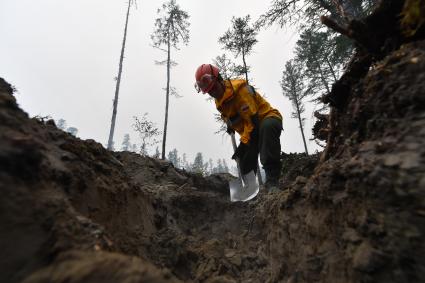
point(348, 207)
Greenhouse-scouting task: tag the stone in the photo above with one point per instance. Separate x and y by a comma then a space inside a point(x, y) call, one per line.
point(236, 260)
point(351, 235)
point(366, 258)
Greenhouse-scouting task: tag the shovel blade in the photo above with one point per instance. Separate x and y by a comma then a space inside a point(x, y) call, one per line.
point(238, 192)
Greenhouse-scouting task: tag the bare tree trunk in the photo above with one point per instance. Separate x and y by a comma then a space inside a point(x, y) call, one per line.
point(341, 7)
point(301, 123)
point(167, 99)
point(244, 66)
point(322, 77)
point(296, 102)
point(117, 87)
point(331, 69)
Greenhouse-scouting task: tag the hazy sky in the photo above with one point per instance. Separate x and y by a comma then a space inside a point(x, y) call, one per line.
point(62, 56)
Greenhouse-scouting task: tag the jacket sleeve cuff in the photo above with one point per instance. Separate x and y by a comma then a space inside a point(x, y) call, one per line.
point(244, 139)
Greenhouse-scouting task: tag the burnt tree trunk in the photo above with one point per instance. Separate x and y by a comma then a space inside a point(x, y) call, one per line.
point(117, 87)
point(300, 122)
point(167, 98)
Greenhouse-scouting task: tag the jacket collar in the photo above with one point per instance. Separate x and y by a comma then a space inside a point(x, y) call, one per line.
point(227, 95)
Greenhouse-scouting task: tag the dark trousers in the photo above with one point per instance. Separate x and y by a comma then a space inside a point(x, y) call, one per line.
point(267, 144)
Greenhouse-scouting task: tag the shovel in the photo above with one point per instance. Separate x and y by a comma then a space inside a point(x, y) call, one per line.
point(246, 186)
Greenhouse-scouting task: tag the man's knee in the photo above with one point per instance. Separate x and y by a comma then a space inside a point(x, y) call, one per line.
point(270, 143)
point(271, 125)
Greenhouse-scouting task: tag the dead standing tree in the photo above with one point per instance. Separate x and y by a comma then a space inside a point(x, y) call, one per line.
point(118, 79)
point(170, 28)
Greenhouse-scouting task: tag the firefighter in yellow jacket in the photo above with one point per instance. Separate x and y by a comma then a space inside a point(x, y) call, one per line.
point(251, 116)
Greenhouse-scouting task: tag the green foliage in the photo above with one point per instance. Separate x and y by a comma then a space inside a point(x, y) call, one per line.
point(306, 13)
point(172, 27)
point(174, 158)
point(323, 54)
point(198, 165)
point(225, 167)
point(294, 88)
point(228, 69)
point(157, 153)
point(126, 145)
point(148, 132)
point(289, 12)
point(61, 124)
point(240, 40)
point(185, 164)
point(220, 168)
point(72, 130)
point(223, 127)
point(320, 51)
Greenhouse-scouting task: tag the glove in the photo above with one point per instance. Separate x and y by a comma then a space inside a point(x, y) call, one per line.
point(240, 151)
point(229, 130)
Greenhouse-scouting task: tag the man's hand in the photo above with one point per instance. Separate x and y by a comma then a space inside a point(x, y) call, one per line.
point(229, 130)
point(240, 151)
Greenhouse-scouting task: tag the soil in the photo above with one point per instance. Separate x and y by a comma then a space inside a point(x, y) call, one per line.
point(72, 211)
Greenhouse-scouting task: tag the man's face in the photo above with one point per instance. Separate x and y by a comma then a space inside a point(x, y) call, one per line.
point(217, 90)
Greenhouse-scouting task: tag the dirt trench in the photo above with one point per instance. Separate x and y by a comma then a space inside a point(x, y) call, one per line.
point(75, 212)
point(72, 211)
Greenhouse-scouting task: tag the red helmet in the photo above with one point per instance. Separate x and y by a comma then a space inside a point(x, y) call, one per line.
point(206, 75)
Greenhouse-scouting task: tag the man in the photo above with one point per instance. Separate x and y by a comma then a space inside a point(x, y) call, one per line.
point(251, 116)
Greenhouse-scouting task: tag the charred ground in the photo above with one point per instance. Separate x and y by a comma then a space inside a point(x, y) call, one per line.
point(72, 211)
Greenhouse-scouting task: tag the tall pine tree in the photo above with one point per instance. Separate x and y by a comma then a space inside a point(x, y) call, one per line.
point(171, 28)
point(240, 40)
point(174, 158)
point(293, 87)
point(126, 145)
point(198, 165)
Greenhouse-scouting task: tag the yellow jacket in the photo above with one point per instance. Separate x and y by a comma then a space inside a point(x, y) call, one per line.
point(239, 103)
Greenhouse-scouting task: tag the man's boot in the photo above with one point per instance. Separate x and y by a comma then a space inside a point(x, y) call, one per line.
point(272, 179)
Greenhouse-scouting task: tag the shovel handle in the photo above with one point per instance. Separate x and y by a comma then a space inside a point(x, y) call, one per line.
point(232, 135)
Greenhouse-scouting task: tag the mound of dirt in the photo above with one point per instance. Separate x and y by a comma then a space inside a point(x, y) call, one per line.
point(297, 167)
point(360, 216)
point(72, 211)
